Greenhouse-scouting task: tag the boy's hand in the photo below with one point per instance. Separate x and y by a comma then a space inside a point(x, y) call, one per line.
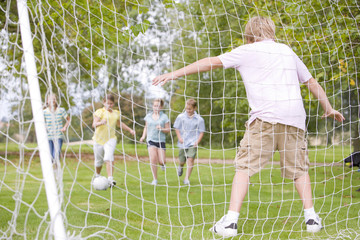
point(142, 139)
point(181, 140)
point(103, 122)
point(162, 79)
point(63, 129)
point(334, 114)
point(158, 127)
point(132, 132)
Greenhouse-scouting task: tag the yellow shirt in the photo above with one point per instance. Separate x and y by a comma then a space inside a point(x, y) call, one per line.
point(106, 132)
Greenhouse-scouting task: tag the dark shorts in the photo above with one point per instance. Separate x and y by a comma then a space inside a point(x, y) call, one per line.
point(160, 145)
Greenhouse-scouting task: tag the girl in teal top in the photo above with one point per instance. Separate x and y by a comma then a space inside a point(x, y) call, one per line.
point(156, 125)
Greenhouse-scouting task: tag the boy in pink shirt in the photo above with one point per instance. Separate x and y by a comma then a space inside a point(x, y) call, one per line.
point(272, 74)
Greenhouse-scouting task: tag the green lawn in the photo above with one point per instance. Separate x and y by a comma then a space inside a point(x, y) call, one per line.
point(318, 154)
point(136, 209)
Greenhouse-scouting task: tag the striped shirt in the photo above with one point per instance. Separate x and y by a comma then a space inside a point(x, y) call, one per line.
point(54, 122)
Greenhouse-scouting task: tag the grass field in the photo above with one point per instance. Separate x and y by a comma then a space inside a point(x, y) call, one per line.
point(136, 209)
point(318, 154)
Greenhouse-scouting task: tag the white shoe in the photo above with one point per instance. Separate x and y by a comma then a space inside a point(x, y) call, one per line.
point(313, 225)
point(163, 167)
point(154, 182)
point(186, 182)
point(111, 181)
point(225, 228)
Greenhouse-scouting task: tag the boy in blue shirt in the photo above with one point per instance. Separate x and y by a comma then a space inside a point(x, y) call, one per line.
point(189, 127)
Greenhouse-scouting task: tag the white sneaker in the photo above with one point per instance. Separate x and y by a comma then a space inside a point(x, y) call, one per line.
point(186, 182)
point(163, 167)
point(225, 228)
point(111, 181)
point(154, 182)
point(313, 225)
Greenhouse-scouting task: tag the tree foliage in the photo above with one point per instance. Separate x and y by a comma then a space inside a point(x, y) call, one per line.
point(325, 35)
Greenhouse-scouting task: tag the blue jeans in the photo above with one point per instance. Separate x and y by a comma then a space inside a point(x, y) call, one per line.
point(52, 148)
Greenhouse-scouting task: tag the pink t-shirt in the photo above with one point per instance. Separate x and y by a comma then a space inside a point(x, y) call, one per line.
point(272, 74)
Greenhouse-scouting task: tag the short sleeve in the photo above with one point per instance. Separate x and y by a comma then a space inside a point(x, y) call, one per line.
point(98, 113)
point(201, 125)
point(117, 114)
point(302, 71)
point(63, 113)
point(178, 122)
point(165, 118)
point(234, 58)
point(146, 118)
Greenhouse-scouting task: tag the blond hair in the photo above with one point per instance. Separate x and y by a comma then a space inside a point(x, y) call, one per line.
point(259, 28)
point(50, 96)
point(161, 101)
point(191, 102)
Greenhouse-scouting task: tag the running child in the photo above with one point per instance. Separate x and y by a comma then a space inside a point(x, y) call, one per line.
point(54, 118)
point(156, 125)
point(105, 121)
point(189, 127)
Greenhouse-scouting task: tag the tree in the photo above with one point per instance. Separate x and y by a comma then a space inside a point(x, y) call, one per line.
point(322, 33)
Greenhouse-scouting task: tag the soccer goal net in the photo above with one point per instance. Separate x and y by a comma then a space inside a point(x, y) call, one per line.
point(84, 49)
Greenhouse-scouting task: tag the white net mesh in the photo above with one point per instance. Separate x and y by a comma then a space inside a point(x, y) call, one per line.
point(86, 48)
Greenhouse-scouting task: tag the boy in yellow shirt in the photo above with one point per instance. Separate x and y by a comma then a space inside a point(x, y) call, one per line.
point(105, 121)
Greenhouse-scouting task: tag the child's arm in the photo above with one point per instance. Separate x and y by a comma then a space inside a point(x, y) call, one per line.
point(66, 124)
point(144, 133)
point(203, 65)
point(319, 94)
point(166, 129)
point(179, 136)
point(199, 139)
point(98, 122)
point(125, 127)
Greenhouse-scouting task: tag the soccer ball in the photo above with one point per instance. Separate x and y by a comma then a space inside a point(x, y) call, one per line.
point(100, 183)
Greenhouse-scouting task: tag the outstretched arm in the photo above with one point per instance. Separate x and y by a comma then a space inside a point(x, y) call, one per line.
point(319, 94)
point(203, 65)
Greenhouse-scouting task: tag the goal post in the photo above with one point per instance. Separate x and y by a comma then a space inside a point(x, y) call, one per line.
point(57, 222)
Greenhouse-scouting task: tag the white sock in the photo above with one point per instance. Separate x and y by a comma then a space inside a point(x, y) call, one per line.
point(97, 175)
point(232, 216)
point(110, 178)
point(309, 214)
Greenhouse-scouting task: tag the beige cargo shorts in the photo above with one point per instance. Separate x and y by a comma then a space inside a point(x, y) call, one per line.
point(262, 139)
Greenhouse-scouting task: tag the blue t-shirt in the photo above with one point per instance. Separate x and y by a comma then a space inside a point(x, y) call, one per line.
point(190, 128)
point(153, 134)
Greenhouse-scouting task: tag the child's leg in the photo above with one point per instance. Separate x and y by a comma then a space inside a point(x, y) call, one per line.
point(99, 158)
point(109, 168)
point(190, 165)
point(109, 149)
point(51, 146)
point(162, 156)
point(303, 187)
point(238, 191)
point(153, 155)
point(182, 157)
point(60, 143)
point(190, 154)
